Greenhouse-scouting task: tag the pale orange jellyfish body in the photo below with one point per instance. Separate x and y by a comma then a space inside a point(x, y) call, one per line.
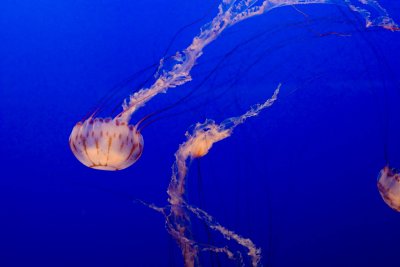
point(106, 144)
point(389, 187)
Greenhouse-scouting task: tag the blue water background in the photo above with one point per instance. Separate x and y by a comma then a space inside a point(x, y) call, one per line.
point(299, 179)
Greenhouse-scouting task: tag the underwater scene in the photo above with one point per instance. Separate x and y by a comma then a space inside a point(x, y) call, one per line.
point(200, 133)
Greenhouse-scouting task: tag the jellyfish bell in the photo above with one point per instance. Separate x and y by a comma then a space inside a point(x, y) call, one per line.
point(106, 144)
point(389, 187)
point(202, 138)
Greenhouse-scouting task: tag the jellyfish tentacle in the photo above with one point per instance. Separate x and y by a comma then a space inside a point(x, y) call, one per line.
point(230, 13)
point(197, 145)
point(253, 251)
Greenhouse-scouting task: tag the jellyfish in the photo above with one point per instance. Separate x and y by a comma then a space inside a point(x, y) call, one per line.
point(389, 187)
point(115, 144)
point(106, 144)
point(177, 217)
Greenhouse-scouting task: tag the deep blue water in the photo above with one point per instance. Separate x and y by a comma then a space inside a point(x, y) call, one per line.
point(299, 179)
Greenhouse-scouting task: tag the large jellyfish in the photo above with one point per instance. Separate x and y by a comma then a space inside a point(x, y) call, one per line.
point(114, 144)
point(106, 144)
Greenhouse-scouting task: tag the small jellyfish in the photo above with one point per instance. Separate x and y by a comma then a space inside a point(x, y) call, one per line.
point(389, 187)
point(106, 144)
